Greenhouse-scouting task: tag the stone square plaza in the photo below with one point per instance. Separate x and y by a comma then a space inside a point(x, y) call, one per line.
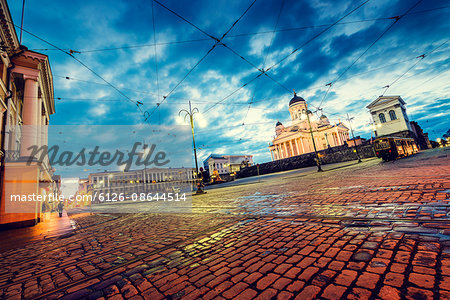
point(374, 230)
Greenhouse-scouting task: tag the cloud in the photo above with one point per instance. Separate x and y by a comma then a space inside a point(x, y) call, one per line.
point(100, 25)
point(99, 110)
point(259, 43)
point(144, 54)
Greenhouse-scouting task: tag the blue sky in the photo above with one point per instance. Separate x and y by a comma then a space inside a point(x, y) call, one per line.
point(101, 24)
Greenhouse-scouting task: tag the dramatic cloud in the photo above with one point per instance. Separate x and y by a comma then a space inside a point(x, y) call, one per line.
point(237, 111)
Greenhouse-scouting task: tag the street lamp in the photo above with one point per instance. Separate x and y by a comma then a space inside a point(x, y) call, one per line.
point(191, 113)
point(319, 167)
point(353, 135)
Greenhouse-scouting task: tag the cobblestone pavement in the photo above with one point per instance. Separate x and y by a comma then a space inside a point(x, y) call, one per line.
point(368, 231)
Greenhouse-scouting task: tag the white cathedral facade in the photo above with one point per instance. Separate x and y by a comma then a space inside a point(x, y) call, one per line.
point(296, 139)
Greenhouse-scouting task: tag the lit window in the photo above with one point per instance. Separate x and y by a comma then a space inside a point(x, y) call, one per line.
point(382, 118)
point(392, 115)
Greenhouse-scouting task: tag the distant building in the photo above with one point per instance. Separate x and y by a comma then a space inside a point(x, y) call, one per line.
point(296, 139)
point(390, 119)
point(355, 142)
point(83, 186)
point(389, 116)
point(137, 181)
point(422, 138)
point(227, 164)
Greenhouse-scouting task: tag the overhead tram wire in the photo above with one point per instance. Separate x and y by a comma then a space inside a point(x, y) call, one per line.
point(235, 35)
point(255, 67)
point(324, 25)
point(445, 65)
point(202, 101)
point(84, 65)
point(337, 115)
point(396, 19)
point(361, 73)
point(265, 58)
point(421, 57)
point(64, 99)
point(207, 53)
point(292, 52)
point(184, 19)
point(156, 57)
point(239, 125)
point(426, 81)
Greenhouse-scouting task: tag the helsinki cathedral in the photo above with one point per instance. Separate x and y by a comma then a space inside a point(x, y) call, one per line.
point(296, 139)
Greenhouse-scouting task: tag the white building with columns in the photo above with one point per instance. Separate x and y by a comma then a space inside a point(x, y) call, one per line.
point(26, 102)
point(296, 139)
point(149, 180)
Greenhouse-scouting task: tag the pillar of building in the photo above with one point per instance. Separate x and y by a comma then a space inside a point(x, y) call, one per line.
point(303, 146)
point(338, 137)
point(292, 148)
point(44, 131)
point(285, 150)
point(30, 115)
point(296, 146)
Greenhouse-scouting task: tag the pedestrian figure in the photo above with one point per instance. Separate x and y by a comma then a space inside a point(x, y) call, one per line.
point(200, 184)
point(60, 208)
point(205, 176)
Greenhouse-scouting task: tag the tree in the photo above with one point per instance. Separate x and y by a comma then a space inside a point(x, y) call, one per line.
point(447, 134)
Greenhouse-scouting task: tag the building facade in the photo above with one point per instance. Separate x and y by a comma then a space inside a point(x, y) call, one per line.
point(389, 116)
point(390, 119)
point(296, 139)
point(422, 137)
point(26, 103)
point(226, 164)
point(150, 180)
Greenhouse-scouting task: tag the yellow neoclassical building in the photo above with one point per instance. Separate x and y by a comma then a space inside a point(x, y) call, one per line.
point(296, 139)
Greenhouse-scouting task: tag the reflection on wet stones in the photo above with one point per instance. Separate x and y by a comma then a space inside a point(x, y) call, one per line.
point(362, 256)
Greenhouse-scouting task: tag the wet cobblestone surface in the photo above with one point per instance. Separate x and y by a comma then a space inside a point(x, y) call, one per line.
point(368, 231)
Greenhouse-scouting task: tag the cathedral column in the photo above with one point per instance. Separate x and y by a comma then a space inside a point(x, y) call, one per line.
point(296, 146)
point(292, 148)
point(338, 137)
point(271, 154)
point(285, 150)
point(30, 115)
point(303, 146)
point(44, 131)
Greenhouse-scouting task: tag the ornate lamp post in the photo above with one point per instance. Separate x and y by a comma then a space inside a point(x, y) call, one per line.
point(353, 135)
point(191, 113)
point(319, 167)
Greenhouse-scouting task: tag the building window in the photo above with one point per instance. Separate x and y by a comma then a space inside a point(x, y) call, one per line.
point(392, 115)
point(382, 118)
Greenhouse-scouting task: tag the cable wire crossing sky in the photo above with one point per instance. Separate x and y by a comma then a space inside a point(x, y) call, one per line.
point(239, 62)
